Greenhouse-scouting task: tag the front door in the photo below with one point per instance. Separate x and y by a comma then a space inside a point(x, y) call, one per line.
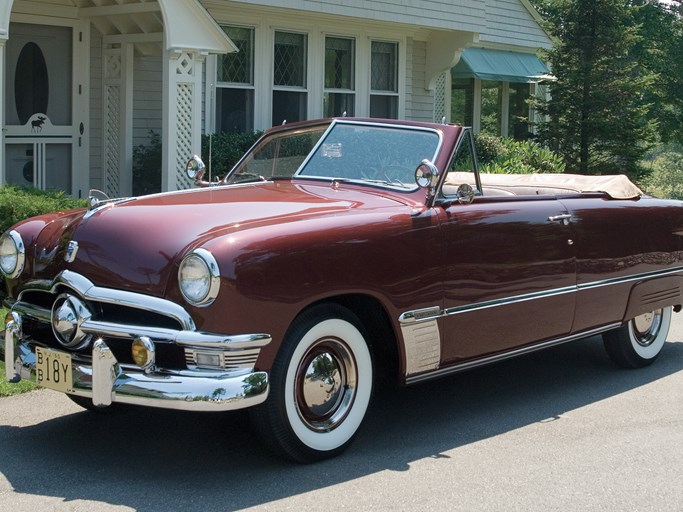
point(43, 141)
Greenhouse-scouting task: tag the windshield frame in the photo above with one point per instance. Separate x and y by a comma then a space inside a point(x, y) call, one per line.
point(409, 187)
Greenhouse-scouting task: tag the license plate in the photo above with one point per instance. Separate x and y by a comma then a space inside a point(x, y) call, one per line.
point(53, 370)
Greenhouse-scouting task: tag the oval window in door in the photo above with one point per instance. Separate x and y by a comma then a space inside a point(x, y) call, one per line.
point(31, 87)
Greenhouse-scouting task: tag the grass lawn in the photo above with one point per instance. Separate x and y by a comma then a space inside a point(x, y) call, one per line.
point(6, 388)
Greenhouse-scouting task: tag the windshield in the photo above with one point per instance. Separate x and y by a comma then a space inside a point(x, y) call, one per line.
point(351, 151)
point(277, 156)
point(377, 154)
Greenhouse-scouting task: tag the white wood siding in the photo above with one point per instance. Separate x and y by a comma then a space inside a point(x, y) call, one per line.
point(509, 22)
point(466, 15)
point(420, 106)
point(95, 128)
point(147, 97)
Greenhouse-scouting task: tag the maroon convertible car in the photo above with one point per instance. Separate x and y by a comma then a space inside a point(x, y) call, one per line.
point(334, 249)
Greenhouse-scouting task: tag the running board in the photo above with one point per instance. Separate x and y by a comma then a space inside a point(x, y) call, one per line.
point(468, 365)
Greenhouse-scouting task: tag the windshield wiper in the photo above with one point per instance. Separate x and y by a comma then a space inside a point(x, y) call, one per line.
point(390, 182)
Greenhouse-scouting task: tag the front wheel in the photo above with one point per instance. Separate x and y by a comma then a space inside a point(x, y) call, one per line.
point(639, 341)
point(320, 386)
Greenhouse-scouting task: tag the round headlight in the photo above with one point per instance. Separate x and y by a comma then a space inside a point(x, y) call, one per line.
point(12, 254)
point(199, 278)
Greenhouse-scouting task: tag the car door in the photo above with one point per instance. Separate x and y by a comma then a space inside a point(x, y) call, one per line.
point(510, 271)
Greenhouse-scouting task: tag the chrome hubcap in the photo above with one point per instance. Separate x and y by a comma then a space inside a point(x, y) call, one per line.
point(325, 386)
point(646, 327)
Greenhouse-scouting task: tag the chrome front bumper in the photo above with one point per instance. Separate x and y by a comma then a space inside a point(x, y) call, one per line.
point(106, 381)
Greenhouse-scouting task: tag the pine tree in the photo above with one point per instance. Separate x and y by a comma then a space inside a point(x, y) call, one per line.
point(598, 113)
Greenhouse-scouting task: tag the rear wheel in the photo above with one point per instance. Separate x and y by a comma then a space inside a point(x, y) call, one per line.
point(320, 386)
point(639, 341)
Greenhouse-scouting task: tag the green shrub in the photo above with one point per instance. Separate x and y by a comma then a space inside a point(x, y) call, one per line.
point(19, 203)
point(666, 178)
point(147, 166)
point(226, 150)
point(489, 147)
point(518, 157)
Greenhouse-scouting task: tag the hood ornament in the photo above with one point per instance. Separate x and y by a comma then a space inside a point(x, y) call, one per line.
point(71, 251)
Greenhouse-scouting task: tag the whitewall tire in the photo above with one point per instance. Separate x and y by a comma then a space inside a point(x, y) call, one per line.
point(320, 386)
point(639, 341)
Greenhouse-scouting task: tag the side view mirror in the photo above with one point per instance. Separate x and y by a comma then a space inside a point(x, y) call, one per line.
point(195, 169)
point(426, 174)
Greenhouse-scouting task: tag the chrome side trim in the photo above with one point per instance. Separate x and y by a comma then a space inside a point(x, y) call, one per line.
point(422, 342)
point(628, 279)
point(467, 365)
point(507, 301)
point(421, 315)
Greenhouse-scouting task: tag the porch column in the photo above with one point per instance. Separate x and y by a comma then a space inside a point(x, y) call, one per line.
point(5, 11)
point(182, 116)
point(2, 111)
point(118, 119)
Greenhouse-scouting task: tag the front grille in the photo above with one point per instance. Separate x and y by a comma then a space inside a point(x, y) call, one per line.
point(35, 307)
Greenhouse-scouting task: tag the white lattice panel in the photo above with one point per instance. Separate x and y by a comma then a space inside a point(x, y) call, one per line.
point(112, 67)
point(184, 96)
point(112, 142)
point(185, 65)
point(440, 98)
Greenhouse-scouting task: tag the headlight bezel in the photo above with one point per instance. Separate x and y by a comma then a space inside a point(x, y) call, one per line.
point(19, 254)
point(211, 276)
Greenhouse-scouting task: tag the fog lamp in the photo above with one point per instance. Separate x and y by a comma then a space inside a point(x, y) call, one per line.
point(143, 352)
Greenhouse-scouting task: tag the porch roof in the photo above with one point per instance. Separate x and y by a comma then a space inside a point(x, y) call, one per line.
point(181, 25)
point(499, 65)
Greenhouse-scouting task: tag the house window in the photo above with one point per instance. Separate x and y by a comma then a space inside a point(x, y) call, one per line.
point(518, 118)
point(339, 92)
point(289, 77)
point(235, 83)
point(384, 80)
point(462, 101)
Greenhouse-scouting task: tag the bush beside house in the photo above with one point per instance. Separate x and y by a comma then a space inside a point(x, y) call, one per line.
point(507, 156)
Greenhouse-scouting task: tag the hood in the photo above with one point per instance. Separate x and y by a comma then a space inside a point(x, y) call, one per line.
point(137, 244)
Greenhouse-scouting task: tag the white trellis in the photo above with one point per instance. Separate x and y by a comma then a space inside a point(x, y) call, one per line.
point(182, 130)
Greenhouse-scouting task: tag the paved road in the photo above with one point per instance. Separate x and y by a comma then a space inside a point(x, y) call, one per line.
point(559, 430)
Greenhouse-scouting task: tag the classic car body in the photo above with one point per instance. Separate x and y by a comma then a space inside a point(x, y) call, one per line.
point(334, 249)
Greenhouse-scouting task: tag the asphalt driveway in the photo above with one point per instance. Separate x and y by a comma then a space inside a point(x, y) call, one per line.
point(562, 429)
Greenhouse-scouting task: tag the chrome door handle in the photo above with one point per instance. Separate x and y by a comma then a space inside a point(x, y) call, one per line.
point(564, 218)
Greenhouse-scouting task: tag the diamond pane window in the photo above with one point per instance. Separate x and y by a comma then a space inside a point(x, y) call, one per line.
point(339, 63)
point(289, 60)
point(383, 67)
point(238, 67)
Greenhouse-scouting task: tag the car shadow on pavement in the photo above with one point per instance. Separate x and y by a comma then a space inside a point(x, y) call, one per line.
point(154, 460)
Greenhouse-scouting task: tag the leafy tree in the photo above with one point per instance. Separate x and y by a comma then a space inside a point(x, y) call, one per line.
point(599, 117)
point(666, 179)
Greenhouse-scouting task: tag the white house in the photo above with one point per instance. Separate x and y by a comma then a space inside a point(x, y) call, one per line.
point(84, 81)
